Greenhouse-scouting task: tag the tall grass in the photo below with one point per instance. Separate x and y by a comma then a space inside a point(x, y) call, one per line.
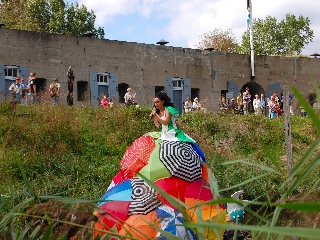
point(55, 161)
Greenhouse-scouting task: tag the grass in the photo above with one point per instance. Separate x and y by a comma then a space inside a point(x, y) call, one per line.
point(64, 158)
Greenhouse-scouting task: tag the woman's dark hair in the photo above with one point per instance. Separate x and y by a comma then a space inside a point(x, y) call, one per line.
point(166, 100)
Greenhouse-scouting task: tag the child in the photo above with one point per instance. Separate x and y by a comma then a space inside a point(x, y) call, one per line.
point(104, 101)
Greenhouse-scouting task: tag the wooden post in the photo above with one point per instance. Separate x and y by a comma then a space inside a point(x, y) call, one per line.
point(287, 128)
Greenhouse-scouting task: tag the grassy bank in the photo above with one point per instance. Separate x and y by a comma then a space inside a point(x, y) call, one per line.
point(75, 152)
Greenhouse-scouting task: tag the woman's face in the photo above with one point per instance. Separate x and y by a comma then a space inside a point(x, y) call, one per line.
point(158, 103)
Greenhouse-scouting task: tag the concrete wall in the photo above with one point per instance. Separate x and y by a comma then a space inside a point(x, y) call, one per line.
point(144, 66)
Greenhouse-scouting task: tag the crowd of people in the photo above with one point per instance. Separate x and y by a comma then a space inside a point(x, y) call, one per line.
point(27, 93)
point(244, 104)
point(190, 106)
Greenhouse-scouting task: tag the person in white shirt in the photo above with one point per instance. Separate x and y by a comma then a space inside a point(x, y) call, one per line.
point(16, 90)
point(187, 105)
point(196, 105)
point(257, 105)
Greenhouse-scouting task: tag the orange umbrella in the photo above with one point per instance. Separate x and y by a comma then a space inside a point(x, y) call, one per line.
point(139, 226)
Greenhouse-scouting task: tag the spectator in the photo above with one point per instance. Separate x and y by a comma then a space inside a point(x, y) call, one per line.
point(187, 105)
point(223, 104)
point(235, 214)
point(104, 101)
point(240, 102)
point(129, 97)
point(33, 87)
point(25, 91)
point(246, 100)
point(257, 105)
point(232, 107)
point(272, 107)
point(196, 105)
point(54, 91)
point(263, 104)
point(16, 90)
point(291, 105)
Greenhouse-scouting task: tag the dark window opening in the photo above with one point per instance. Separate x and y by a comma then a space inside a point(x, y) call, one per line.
point(82, 87)
point(122, 87)
point(195, 92)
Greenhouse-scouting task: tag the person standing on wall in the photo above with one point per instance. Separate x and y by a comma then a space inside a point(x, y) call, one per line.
point(33, 87)
point(54, 91)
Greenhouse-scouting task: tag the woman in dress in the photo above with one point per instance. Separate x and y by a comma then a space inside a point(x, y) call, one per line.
point(165, 115)
point(172, 161)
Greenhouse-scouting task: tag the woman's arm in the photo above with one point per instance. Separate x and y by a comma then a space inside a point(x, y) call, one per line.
point(157, 120)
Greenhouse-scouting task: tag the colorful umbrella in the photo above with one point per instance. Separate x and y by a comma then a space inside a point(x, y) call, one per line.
point(144, 198)
point(140, 226)
point(113, 213)
point(137, 156)
point(174, 186)
point(155, 169)
point(181, 160)
point(120, 192)
point(171, 221)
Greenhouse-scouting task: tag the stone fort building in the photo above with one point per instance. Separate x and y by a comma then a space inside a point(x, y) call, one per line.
point(108, 66)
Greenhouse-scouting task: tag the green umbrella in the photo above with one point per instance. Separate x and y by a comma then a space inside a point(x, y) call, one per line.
point(155, 169)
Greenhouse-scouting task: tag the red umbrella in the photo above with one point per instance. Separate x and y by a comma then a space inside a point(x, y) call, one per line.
point(174, 186)
point(137, 156)
point(113, 213)
point(199, 189)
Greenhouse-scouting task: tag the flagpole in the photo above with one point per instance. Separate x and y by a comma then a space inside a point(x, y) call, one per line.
point(249, 8)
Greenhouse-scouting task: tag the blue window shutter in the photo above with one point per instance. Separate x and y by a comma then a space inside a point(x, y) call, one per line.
point(233, 87)
point(186, 89)
point(169, 87)
point(94, 89)
point(276, 87)
point(113, 88)
point(24, 72)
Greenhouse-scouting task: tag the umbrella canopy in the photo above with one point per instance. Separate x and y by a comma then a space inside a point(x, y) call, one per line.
point(144, 198)
point(181, 160)
point(137, 156)
point(113, 213)
point(120, 192)
point(155, 169)
point(169, 219)
point(140, 226)
point(174, 186)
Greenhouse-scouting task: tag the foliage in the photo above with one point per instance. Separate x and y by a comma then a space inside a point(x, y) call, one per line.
point(270, 37)
point(70, 154)
point(51, 16)
point(222, 41)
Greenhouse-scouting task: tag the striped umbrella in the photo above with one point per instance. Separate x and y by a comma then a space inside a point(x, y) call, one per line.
point(181, 159)
point(144, 198)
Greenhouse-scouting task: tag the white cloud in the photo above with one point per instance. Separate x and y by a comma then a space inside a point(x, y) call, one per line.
point(185, 21)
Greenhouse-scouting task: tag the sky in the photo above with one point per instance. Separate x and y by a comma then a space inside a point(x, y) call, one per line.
point(182, 22)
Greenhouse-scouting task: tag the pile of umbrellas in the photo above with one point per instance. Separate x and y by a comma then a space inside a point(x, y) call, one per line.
point(161, 185)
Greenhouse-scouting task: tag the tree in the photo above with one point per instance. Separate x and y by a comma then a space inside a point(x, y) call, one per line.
point(52, 16)
point(287, 37)
point(223, 41)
